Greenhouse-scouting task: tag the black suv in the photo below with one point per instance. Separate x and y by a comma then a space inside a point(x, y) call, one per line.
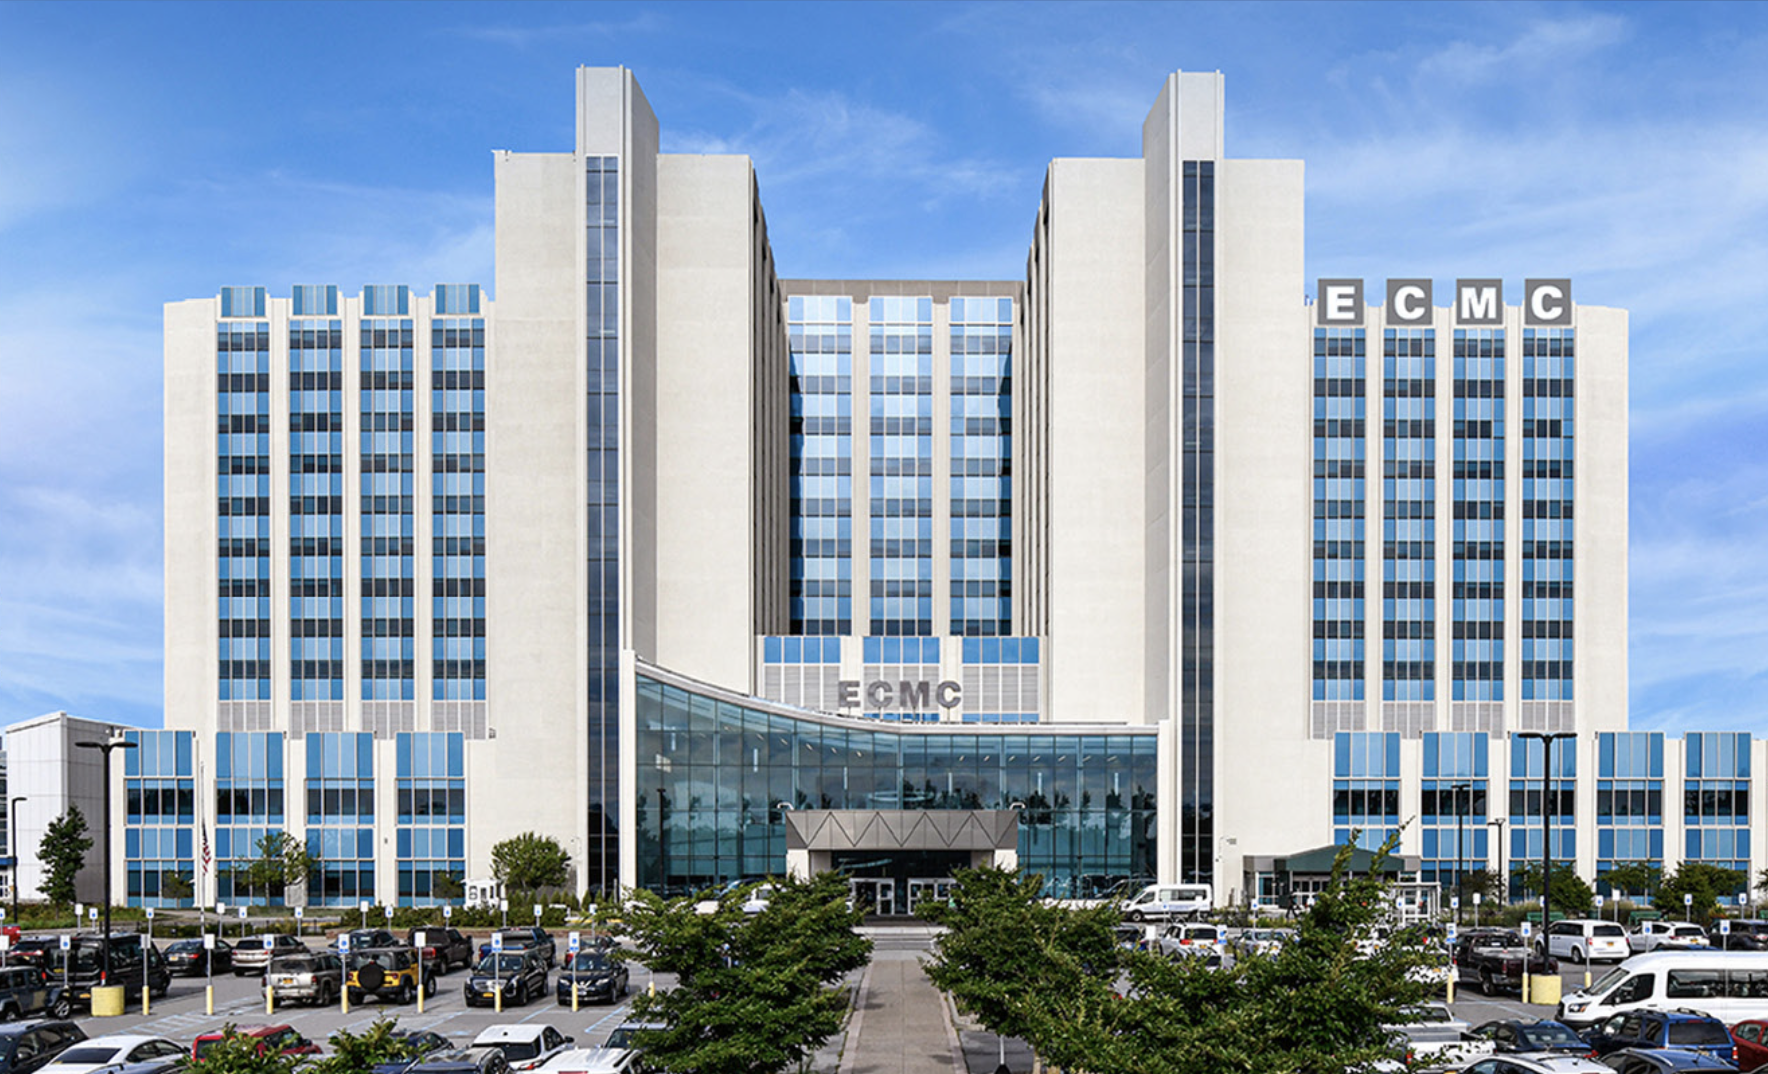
point(28, 1046)
point(520, 975)
point(26, 991)
point(1749, 935)
point(128, 968)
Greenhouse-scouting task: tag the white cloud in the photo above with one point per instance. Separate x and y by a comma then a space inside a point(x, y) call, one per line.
point(1547, 44)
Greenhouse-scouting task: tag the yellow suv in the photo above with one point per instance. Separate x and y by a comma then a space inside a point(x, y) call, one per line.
point(388, 972)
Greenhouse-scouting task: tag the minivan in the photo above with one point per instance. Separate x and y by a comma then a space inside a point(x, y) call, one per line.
point(1158, 902)
point(1729, 985)
point(1583, 940)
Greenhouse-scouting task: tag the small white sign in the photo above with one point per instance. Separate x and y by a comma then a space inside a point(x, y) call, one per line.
point(297, 913)
point(497, 943)
point(1476, 898)
point(537, 915)
point(67, 943)
point(92, 913)
point(504, 905)
point(1599, 901)
point(208, 941)
point(448, 913)
point(1454, 902)
point(344, 943)
point(269, 942)
point(419, 939)
point(220, 908)
point(362, 907)
point(5, 942)
point(1527, 927)
point(575, 941)
point(1725, 928)
point(242, 913)
point(1687, 899)
point(79, 910)
point(388, 910)
point(149, 913)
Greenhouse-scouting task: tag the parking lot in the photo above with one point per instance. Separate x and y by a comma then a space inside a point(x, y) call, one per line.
point(182, 1014)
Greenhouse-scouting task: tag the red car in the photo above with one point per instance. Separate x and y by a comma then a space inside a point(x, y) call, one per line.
point(280, 1038)
point(1751, 1041)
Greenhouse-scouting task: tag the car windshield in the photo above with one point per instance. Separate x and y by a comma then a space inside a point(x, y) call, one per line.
point(203, 1046)
point(516, 939)
point(296, 965)
point(504, 965)
point(75, 1056)
point(624, 1036)
point(591, 960)
point(1698, 1033)
point(1548, 1035)
point(518, 1050)
point(181, 946)
point(1607, 981)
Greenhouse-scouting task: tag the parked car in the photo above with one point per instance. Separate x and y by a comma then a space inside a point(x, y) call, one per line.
point(591, 1061)
point(1519, 1035)
point(1725, 984)
point(445, 946)
point(1584, 940)
point(1745, 935)
point(595, 975)
point(462, 1061)
point(525, 1045)
point(363, 939)
point(131, 966)
point(1664, 1061)
point(37, 950)
point(630, 1034)
point(1519, 1063)
point(421, 1043)
point(527, 937)
point(313, 978)
point(388, 972)
point(252, 957)
point(26, 991)
point(26, 1047)
point(1268, 942)
point(1174, 938)
point(1688, 1030)
point(1749, 1039)
point(105, 1054)
point(270, 1038)
point(191, 958)
point(1650, 935)
point(520, 975)
point(1496, 959)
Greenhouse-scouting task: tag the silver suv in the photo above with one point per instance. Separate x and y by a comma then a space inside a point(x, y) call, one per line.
point(313, 979)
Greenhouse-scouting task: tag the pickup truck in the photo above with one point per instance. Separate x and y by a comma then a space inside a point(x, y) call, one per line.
point(1496, 959)
point(1437, 1040)
point(444, 947)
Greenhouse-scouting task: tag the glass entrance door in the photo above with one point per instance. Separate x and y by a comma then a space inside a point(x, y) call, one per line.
point(925, 890)
point(875, 896)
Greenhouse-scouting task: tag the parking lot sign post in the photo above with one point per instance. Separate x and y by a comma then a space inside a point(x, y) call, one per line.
point(242, 923)
point(298, 929)
point(419, 939)
point(344, 961)
point(269, 985)
point(209, 965)
point(1688, 906)
point(1526, 929)
point(67, 964)
point(497, 969)
point(572, 946)
point(146, 943)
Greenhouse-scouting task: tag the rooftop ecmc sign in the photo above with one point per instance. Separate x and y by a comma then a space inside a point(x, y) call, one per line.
point(906, 696)
point(1478, 302)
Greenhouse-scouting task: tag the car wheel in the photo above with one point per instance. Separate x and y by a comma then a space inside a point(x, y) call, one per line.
point(407, 995)
point(430, 987)
point(1487, 986)
point(8, 1013)
point(1135, 916)
point(1578, 955)
point(61, 1008)
point(164, 990)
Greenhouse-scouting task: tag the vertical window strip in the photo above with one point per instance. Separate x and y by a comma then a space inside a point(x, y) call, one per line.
point(1340, 499)
point(1478, 526)
point(457, 508)
point(1409, 514)
point(316, 510)
point(242, 353)
point(1548, 459)
point(901, 477)
point(981, 466)
point(388, 550)
point(820, 330)
point(602, 371)
point(1196, 515)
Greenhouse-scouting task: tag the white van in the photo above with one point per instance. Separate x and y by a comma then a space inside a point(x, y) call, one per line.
point(1158, 902)
point(1584, 940)
point(1729, 985)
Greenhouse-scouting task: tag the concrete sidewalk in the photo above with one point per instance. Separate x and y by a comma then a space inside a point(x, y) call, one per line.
point(899, 1023)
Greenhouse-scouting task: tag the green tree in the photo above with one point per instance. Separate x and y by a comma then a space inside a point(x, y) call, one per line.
point(1319, 1005)
point(1634, 878)
point(1571, 896)
point(529, 861)
point(1486, 883)
point(282, 860)
point(756, 992)
point(62, 852)
point(448, 886)
point(352, 1054)
point(176, 886)
point(1705, 882)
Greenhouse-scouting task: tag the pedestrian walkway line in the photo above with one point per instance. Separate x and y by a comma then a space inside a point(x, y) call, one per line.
point(850, 1046)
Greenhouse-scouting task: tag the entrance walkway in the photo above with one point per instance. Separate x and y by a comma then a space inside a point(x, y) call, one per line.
point(899, 1023)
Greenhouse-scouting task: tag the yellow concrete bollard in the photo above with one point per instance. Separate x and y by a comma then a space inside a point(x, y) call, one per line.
point(498, 1002)
point(1449, 988)
point(209, 1001)
point(146, 1001)
point(269, 997)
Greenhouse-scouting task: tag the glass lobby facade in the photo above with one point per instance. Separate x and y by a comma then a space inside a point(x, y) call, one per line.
point(712, 775)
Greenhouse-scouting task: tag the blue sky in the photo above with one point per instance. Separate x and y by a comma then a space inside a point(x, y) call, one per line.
point(156, 152)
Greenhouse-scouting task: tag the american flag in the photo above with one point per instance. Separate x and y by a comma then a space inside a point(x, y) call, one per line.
point(206, 850)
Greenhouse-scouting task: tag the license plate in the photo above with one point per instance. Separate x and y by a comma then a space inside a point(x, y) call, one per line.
point(287, 981)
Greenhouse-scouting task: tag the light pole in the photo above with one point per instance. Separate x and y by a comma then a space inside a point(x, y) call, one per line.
point(1547, 739)
point(109, 744)
point(12, 844)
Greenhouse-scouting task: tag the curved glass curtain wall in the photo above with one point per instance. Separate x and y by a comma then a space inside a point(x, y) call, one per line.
point(715, 772)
